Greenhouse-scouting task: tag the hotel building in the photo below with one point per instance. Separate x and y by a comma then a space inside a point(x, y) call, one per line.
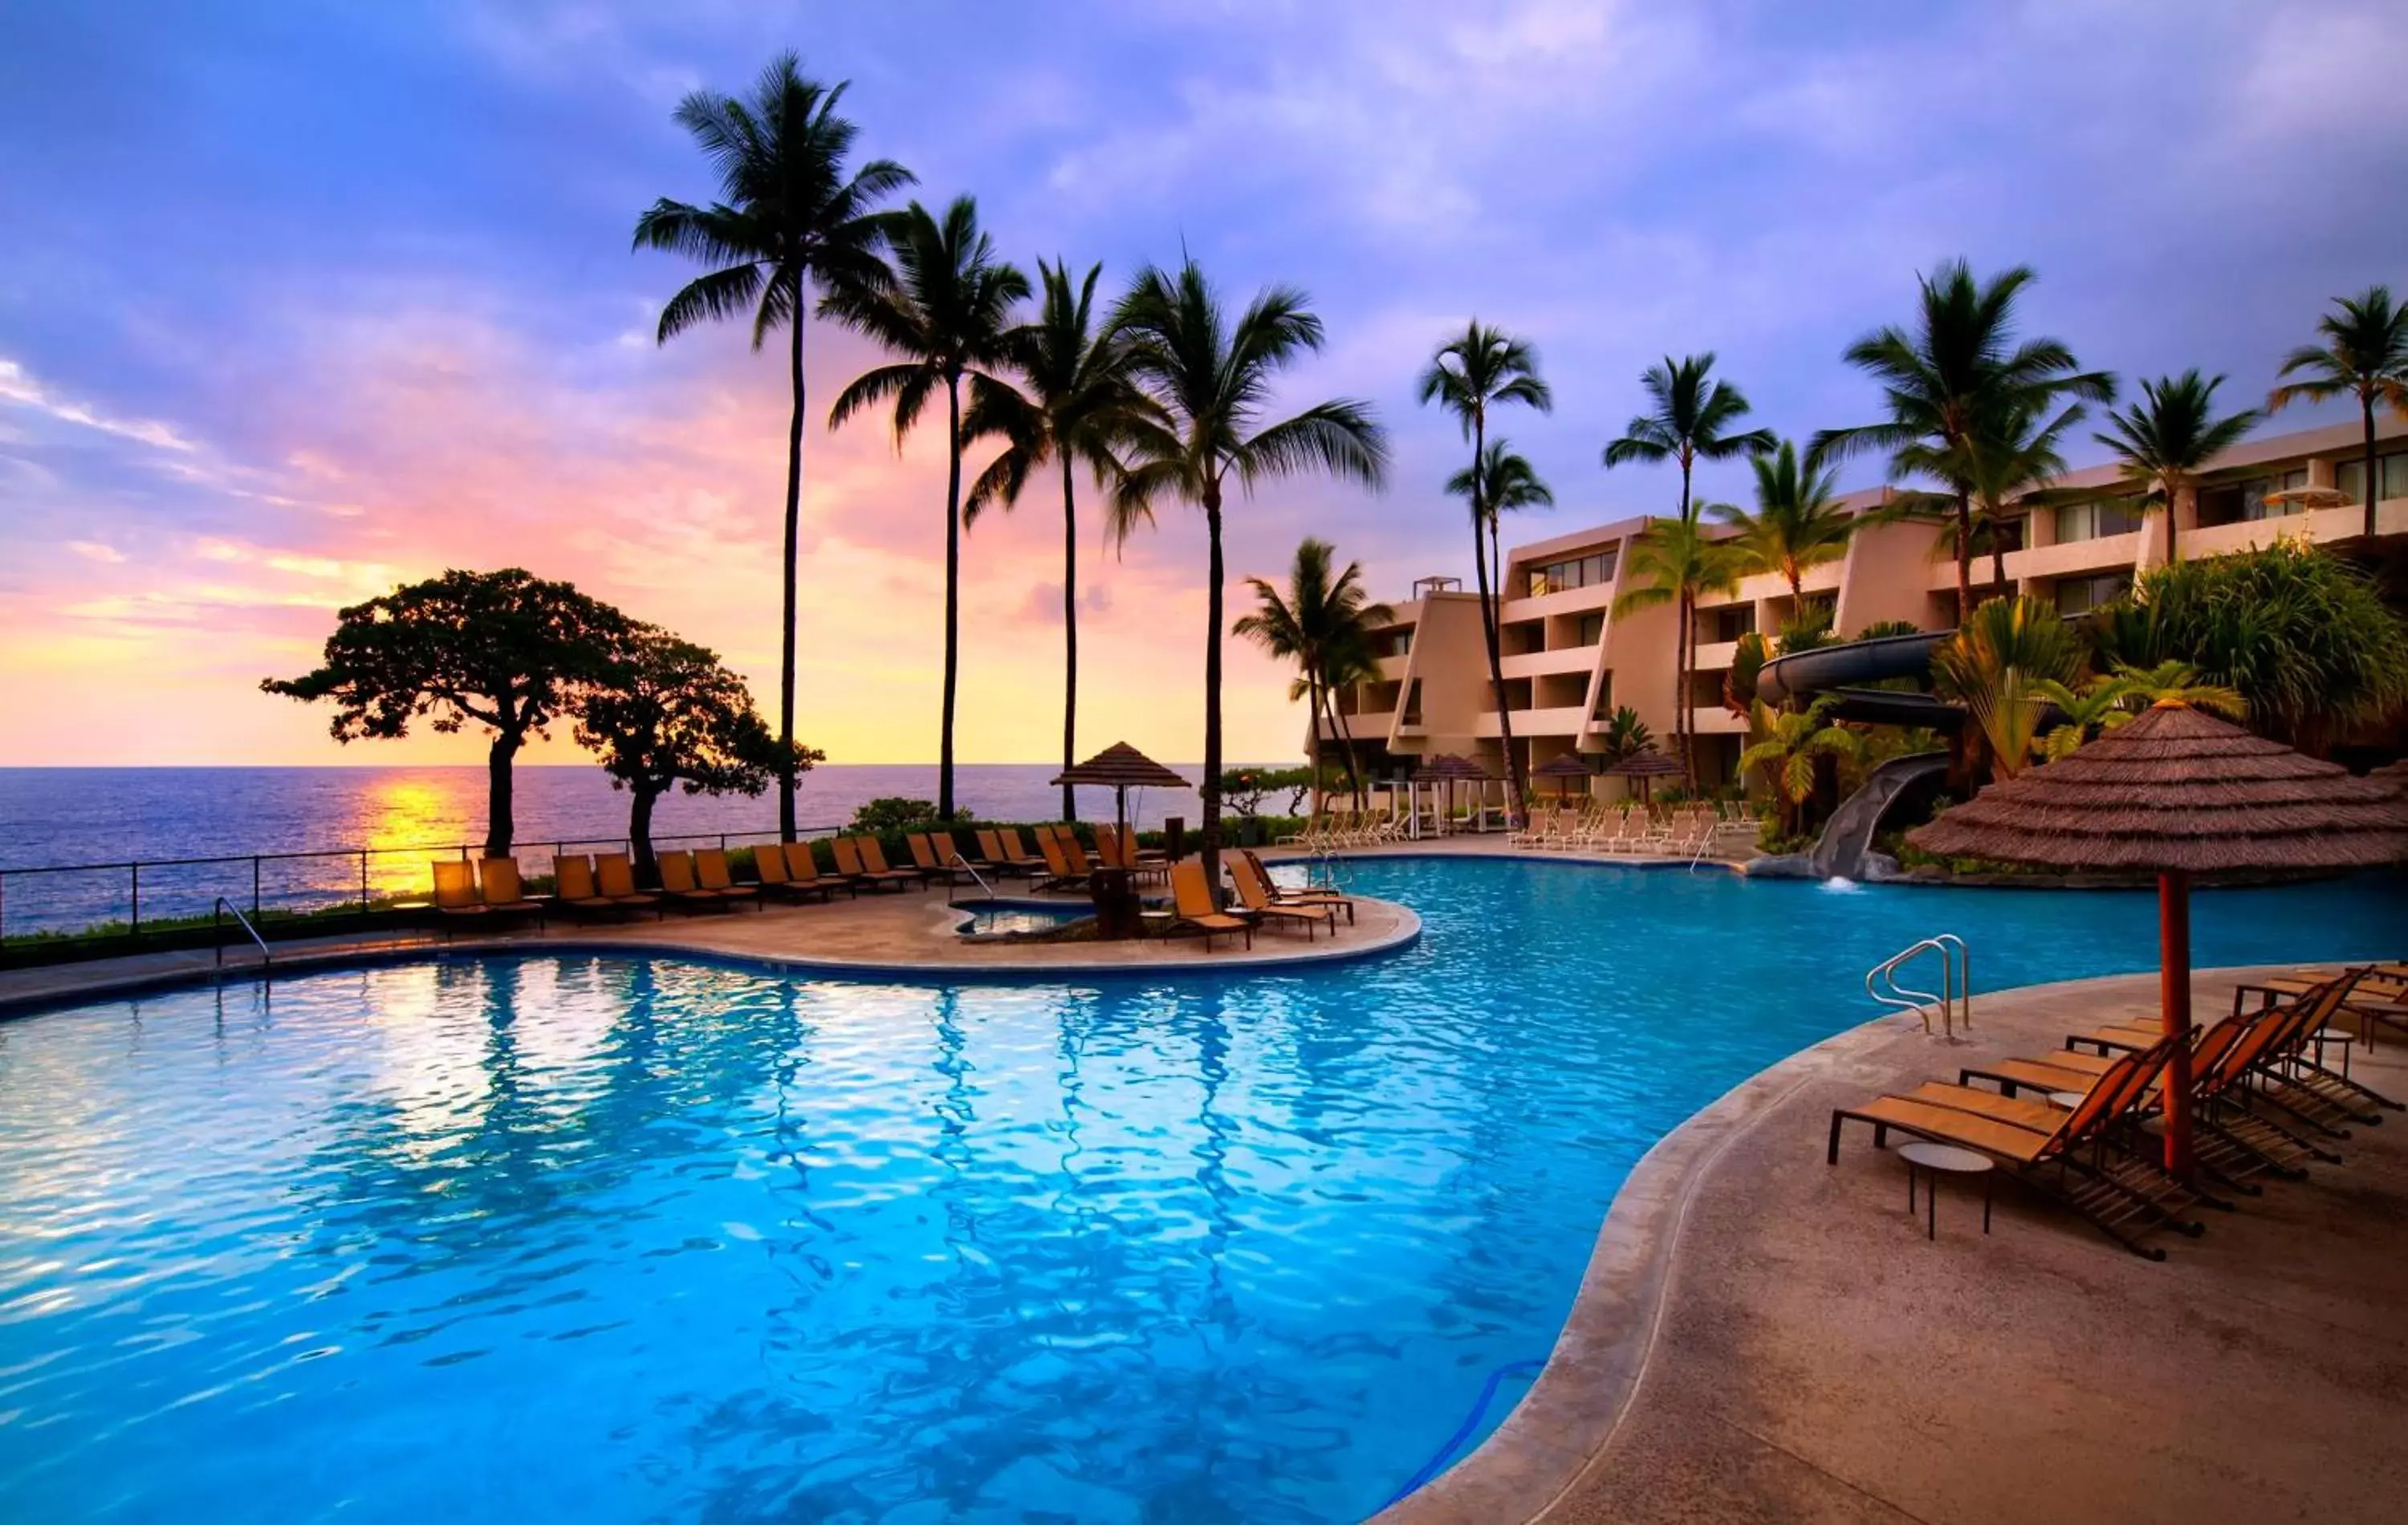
point(1569, 660)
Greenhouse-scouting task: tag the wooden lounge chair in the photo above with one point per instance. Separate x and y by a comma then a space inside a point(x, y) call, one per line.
point(1000, 862)
point(772, 867)
point(576, 891)
point(2072, 1161)
point(710, 871)
point(1307, 895)
point(614, 880)
point(1191, 898)
point(803, 874)
point(1067, 838)
point(680, 887)
point(875, 867)
point(1256, 899)
point(1059, 874)
point(1017, 851)
point(455, 893)
point(937, 865)
point(499, 888)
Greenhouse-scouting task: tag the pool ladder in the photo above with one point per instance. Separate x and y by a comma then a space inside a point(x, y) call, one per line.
point(218, 913)
point(1955, 996)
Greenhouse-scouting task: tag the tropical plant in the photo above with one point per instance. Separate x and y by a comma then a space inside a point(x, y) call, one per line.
point(948, 310)
point(1690, 421)
point(1209, 380)
point(1624, 736)
point(1748, 655)
point(2098, 706)
point(789, 216)
point(2365, 355)
point(1791, 748)
point(1676, 561)
point(1073, 400)
point(1995, 665)
point(1881, 628)
point(2179, 682)
point(1323, 623)
point(503, 650)
point(1804, 630)
point(1480, 369)
point(1960, 370)
point(2009, 461)
point(889, 813)
point(1797, 524)
point(2167, 438)
point(663, 712)
point(2302, 633)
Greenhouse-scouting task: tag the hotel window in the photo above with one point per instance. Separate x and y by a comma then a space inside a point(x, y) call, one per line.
point(1591, 629)
point(2096, 519)
point(1576, 572)
point(1729, 623)
point(2081, 594)
point(1400, 643)
point(2350, 476)
point(2244, 502)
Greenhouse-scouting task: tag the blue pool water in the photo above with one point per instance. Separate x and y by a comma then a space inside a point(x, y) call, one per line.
point(1004, 916)
point(621, 1239)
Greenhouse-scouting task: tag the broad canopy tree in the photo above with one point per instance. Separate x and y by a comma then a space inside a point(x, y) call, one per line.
point(503, 650)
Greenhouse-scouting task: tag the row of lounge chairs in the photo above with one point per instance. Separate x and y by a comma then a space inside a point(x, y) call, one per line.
point(1605, 826)
point(1259, 902)
point(1338, 827)
point(2262, 1103)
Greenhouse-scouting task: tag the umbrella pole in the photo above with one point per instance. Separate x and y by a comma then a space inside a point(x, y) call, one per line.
point(2174, 999)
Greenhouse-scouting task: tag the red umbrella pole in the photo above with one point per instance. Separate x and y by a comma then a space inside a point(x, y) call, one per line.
point(2173, 999)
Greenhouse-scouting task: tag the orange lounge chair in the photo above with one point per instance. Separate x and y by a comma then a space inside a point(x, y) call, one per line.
point(1001, 862)
point(1059, 874)
point(936, 858)
point(576, 890)
point(1256, 901)
point(499, 886)
point(710, 871)
point(455, 892)
point(771, 864)
point(1192, 898)
point(874, 864)
point(1282, 895)
point(680, 888)
point(614, 879)
point(851, 867)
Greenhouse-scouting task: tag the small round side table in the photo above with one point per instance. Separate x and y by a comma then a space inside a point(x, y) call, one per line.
point(1944, 1159)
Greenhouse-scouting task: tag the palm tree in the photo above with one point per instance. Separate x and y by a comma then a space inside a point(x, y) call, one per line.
point(1209, 380)
point(1994, 666)
point(2167, 438)
point(2005, 462)
point(1480, 369)
point(948, 310)
point(1797, 524)
point(1789, 747)
point(1960, 368)
point(789, 216)
point(1322, 624)
point(2365, 354)
point(1677, 561)
point(1688, 421)
point(1074, 399)
point(2098, 706)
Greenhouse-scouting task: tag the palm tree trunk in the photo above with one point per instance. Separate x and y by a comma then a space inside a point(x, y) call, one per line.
point(1312, 729)
point(1490, 617)
point(1964, 555)
point(640, 830)
point(1346, 749)
point(2373, 488)
point(1069, 637)
point(2173, 530)
point(793, 550)
point(953, 595)
point(1999, 554)
point(1684, 655)
point(1211, 843)
point(501, 825)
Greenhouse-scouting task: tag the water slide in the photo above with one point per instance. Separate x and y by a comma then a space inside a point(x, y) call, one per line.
point(1843, 670)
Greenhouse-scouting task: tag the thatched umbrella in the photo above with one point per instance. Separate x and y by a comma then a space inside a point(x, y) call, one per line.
point(1646, 765)
point(2311, 498)
point(2177, 793)
point(1563, 767)
point(1450, 769)
point(1120, 768)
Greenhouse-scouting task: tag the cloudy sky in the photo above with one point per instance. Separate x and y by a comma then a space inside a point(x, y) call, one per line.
point(298, 300)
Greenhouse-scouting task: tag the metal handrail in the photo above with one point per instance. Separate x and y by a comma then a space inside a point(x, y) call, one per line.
point(1956, 992)
point(971, 869)
point(216, 921)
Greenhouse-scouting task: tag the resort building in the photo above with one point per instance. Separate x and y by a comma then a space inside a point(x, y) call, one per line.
point(1569, 661)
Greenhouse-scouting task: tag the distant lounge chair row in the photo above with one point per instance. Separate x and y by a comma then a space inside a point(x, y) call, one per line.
point(2254, 1086)
point(483, 891)
point(1338, 826)
point(1608, 826)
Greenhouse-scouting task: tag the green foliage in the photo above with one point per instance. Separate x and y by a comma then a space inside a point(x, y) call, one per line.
point(1806, 630)
point(1995, 665)
point(2364, 356)
point(2299, 631)
point(1880, 628)
point(1799, 523)
point(1245, 789)
point(897, 814)
point(1624, 736)
point(2167, 438)
point(1748, 655)
point(1693, 417)
point(1322, 624)
point(1790, 746)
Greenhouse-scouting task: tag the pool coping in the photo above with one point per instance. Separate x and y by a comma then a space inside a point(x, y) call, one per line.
point(1538, 1457)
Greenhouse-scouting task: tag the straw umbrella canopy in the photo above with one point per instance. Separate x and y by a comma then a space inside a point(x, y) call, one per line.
point(2311, 498)
point(1563, 767)
point(1646, 765)
point(1120, 768)
point(1450, 769)
point(2177, 793)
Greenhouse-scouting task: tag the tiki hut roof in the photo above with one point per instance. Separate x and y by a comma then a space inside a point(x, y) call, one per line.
point(2395, 774)
point(2175, 790)
point(1447, 766)
point(1562, 765)
point(1645, 763)
point(1122, 766)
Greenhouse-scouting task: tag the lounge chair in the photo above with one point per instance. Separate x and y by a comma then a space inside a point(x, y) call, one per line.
point(1017, 851)
point(934, 864)
point(1191, 898)
point(1059, 874)
point(873, 863)
point(455, 892)
point(772, 868)
point(803, 873)
point(614, 880)
point(2067, 1154)
point(1307, 895)
point(498, 887)
point(710, 871)
point(1001, 862)
point(1254, 897)
point(1066, 837)
point(853, 867)
point(575, 889)
point(681, 887)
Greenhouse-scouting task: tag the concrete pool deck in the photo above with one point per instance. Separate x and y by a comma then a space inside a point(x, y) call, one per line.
point(1761, 1336)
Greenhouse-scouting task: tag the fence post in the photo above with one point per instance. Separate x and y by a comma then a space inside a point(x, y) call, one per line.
point(364, 881)
point(135, 871)
point(255, 887)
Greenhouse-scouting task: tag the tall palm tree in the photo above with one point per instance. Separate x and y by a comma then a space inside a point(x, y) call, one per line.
point(2167, 438)
point(2365, 355)
point(789, 216)
point(1961, 366)
point(1074, 400)
point(1480, 369)
point(1688, 423)
point(1210, 379)
point(1322, 624)
point(948, 312)
point(1797, 524)
point(1677, 561)
point(2004, 463)
point(1501, 480)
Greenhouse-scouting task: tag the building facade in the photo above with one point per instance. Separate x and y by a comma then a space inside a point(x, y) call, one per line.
point(1569, 661)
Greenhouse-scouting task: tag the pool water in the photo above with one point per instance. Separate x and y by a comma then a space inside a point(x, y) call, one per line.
point(622, 1239)
point(1006, 917)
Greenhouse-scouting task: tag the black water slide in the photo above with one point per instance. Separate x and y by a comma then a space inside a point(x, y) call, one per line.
point(1842, 670)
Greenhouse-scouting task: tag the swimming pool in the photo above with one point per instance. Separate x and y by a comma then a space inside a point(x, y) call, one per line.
point(631, 1239)
point(1001, 918)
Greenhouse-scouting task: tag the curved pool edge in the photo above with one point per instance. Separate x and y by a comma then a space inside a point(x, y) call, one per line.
point(1544, 1449)
point(1405, 931)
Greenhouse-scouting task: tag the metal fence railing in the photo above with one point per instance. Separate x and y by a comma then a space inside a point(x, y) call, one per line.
point(94, 901)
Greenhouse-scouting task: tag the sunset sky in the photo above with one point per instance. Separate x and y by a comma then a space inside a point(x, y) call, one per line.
point(299, 301)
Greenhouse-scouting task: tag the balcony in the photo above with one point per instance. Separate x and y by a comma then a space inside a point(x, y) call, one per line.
point(1563, 720)
point(1369, 725)
point(1562, 660)
point(1717, 722)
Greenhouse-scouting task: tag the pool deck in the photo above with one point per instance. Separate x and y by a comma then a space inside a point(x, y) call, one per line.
point(1761, 1336)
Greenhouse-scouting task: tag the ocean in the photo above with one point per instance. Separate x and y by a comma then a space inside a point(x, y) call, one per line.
point(396, 816)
